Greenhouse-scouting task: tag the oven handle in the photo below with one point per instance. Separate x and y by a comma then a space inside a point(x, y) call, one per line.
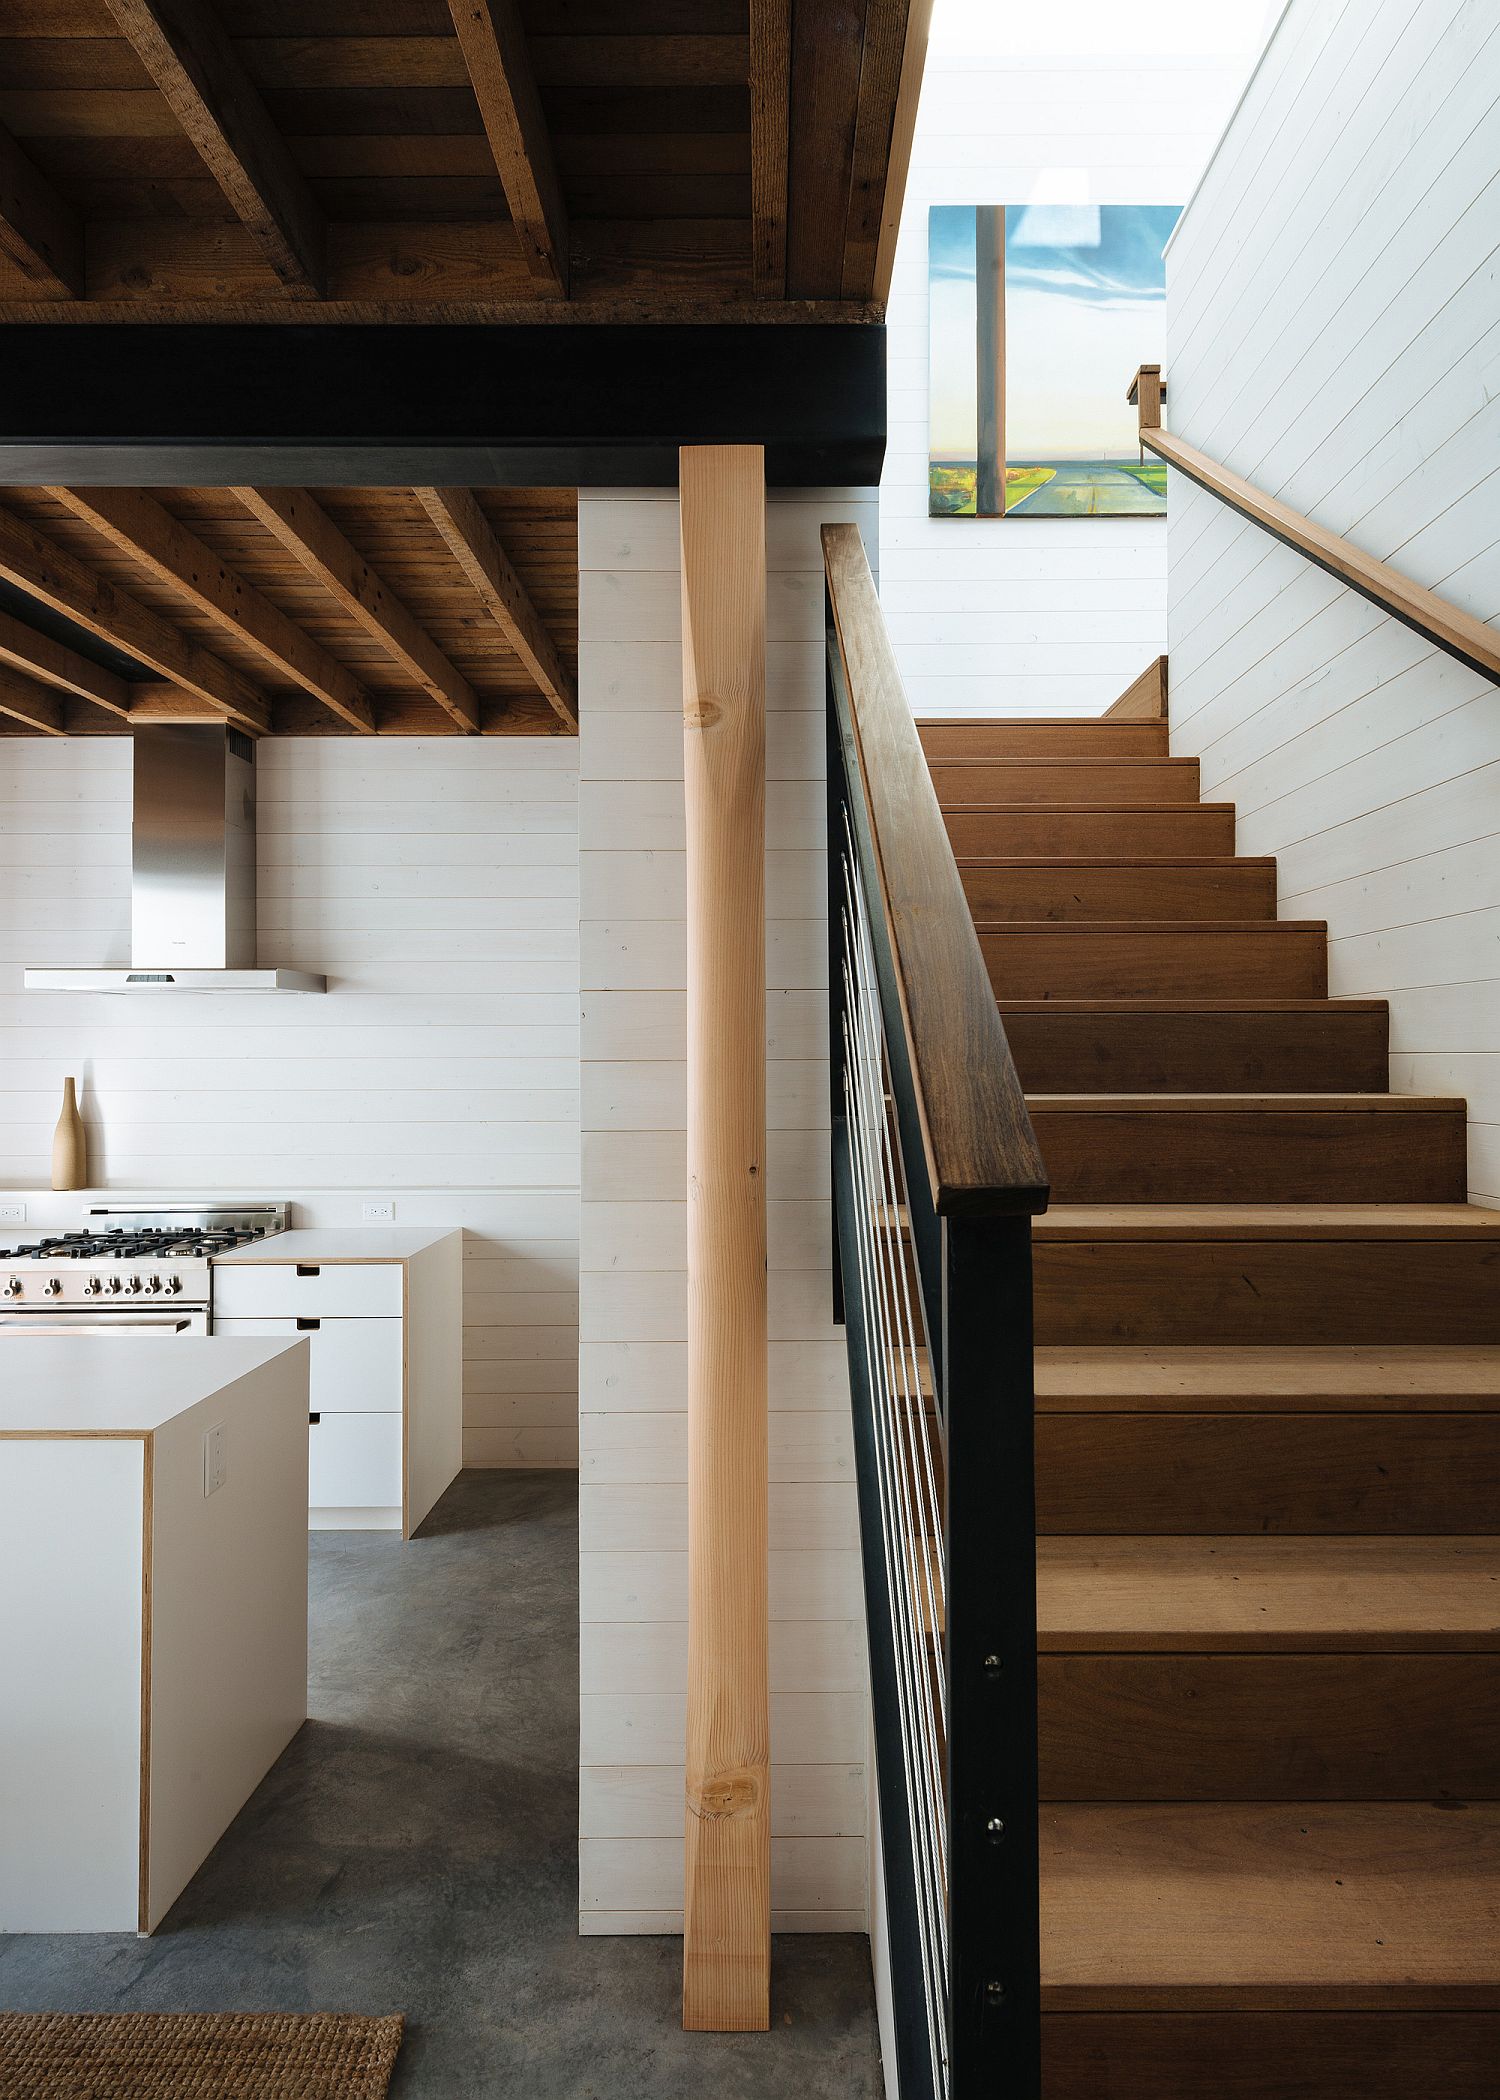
point(51, 1323)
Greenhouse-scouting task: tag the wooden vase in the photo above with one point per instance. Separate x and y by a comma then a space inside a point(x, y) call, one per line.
point(70, 1145)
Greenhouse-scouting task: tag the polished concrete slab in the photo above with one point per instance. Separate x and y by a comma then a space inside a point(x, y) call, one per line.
point(415, 1851)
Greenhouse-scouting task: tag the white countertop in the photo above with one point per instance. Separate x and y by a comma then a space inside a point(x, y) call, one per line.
point(117, 1384)
point(315, 1243)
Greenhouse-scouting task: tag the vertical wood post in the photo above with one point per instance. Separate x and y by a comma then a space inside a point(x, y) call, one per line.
point(1147, 391)
point(989, 358)
point(727, 1897)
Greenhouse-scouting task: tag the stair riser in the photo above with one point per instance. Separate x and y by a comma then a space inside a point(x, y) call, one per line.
point(1277, 961)
point(1338, 1050)
point(1290, 2055)
point(1278, 1474)
point(1224, 889)
point(1023, 739)
point(1269, 1727)
point(1087, 780)
point(1092, 832)
point(1265, 1293)
point(1270, 1156)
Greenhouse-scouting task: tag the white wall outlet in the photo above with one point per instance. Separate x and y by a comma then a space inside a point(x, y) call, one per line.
point(12, 1214)
point(379, 1213)
point(215, 1459)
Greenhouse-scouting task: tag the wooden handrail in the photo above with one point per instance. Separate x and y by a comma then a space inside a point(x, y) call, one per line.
point(1459, 633)
point(981, 1151)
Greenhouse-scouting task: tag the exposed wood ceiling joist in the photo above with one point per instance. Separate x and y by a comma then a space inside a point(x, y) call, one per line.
point(39, 566)
point(770, 110)
point(41, 657)
point(453, 160)
point(467, 534)
point(307, 531)
point(139, 526)
point(41, 232)
point(193, 63)
point(890, 82)
point(23, 700)
point(492, 37)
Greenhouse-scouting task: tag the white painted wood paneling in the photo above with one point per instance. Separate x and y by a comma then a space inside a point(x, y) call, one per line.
point(1027, 616)
point(632, 1240)
point(1334, 335)
point(435, 880)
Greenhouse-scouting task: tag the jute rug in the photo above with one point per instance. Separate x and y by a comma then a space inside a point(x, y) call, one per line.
point(196, 2056)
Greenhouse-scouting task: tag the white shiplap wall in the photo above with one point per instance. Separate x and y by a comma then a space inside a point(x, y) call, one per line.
point(1334, 335)
point(1028, 616)
point(436, 882)
point(633, 1299)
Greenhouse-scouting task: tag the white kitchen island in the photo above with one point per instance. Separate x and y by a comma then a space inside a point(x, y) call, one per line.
point(153, 1612)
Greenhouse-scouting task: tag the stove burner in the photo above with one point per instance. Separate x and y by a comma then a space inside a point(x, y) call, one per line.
point(186, 1243)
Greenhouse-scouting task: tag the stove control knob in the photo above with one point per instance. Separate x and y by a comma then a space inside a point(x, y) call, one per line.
point(173, 1285)
point(13, 1288)
point(112, 1283)
point(134, 1286)
point(153, 1284)
point(52, 1288)
point(92, 1288)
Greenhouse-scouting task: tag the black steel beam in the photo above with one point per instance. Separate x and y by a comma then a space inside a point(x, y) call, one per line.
point(577, 405)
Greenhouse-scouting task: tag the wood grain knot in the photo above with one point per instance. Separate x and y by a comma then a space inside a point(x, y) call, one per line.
point(701, 712)
point(727, 1794)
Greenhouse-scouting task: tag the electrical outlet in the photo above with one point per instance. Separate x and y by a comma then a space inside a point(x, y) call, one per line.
point(215, 1459)
point(379, 1213)
point(12, 1214)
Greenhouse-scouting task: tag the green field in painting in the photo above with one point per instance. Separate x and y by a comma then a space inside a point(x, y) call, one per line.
point(1151, 472)
point(951, 487)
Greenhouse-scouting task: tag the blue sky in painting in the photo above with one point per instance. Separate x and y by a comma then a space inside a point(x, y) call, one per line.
point(1084, 303)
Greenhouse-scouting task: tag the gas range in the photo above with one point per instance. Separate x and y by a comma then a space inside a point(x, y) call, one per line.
point(130, 1271)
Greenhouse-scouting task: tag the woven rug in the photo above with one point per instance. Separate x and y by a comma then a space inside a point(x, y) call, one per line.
point(196, 2056)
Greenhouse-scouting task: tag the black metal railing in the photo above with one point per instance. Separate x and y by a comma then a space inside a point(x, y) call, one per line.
point(935, 1178)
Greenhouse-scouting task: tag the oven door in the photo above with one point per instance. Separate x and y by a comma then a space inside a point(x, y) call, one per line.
point(103, 1319)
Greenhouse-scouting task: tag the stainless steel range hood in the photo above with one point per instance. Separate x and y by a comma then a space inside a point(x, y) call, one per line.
point(192, 890)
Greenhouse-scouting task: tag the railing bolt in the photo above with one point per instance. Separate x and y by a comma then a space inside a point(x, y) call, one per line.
point(996, 1828)
point(992, 1666)
point(994, 1991)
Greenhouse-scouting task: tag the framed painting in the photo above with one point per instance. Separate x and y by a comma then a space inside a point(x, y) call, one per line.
point(1039, 314)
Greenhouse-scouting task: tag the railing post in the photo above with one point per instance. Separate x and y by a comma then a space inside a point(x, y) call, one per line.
point(1147, 391)
point(990, 1648)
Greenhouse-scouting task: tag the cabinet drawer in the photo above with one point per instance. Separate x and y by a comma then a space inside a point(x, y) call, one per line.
point(354, 1462)
point(355, 1365)
point(328, 1289)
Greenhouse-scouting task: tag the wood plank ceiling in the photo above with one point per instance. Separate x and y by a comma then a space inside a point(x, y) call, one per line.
point(295, 612)
point(452, 160)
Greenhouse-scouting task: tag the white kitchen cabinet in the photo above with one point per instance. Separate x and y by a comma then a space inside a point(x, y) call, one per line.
point(382, 1313)
point(153, 1636)
point(357, 1364)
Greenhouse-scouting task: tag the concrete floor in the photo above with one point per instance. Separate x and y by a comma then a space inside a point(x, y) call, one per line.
point(414, 1851)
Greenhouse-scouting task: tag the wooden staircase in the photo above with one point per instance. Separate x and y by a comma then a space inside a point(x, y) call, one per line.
point(1268, 1456)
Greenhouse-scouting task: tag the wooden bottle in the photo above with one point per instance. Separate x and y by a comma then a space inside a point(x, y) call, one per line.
point(70, 1146)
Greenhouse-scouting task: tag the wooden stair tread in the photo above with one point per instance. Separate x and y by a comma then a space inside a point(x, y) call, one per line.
point(1029, 861)
point(1166, 1594)
point(1352, 1905)
point(1272, 1381)
point(1244, 1104)
point(1088, 929)
point(1083, 809)
point(1270, 1004)
point(1260, 1221)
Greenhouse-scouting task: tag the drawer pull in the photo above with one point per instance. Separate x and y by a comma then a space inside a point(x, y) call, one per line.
point(309, 1268)
point(314, 1418)
point(308, 1326)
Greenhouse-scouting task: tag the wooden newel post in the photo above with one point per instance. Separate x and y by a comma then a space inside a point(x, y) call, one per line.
point(989, 360)
point(1147, 391)
point(727, 1897)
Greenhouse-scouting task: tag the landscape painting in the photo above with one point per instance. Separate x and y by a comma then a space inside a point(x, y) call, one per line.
point(1040, 314)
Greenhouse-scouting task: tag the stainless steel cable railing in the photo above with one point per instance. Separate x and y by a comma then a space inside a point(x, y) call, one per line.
point(935, 1177)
